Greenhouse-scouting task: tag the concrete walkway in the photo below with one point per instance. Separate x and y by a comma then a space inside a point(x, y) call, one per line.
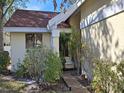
point(72, 82)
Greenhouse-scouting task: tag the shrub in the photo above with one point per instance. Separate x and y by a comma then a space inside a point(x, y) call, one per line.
point(22, 71)
point(53, 67)
point(120, 68)
point(120, 71)
point(4, 60)
point(40, 64)
point(105, 79)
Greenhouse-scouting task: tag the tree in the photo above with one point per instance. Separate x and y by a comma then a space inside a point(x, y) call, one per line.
point(6, 9)
point(64, 4)
point(75, 48)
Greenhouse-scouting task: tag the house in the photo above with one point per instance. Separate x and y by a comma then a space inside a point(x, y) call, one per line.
point(100, 22)
point(29, 28)
point(6, 39)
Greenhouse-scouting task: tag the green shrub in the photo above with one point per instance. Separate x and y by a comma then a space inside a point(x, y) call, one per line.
point(120, 68)
point(105, 79)
point(22, 70)
point(120, 71)
point(53, 67)
point(40, 64)
point(4, 60)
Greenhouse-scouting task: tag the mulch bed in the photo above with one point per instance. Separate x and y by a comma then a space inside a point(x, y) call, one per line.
point(59, 87)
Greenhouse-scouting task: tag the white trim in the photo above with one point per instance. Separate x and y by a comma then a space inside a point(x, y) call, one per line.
point(25, 29)
point(55, 33)
point(64, 16)
point(104, 12)
point(65, 30)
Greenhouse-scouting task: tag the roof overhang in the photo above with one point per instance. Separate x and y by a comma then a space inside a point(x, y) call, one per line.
point(63, 16)
point(25, 29)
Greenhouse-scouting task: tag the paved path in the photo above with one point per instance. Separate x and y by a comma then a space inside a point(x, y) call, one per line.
point(72, 82)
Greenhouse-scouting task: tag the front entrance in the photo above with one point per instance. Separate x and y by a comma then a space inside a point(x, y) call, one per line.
point(65, 51)
point(64, 44)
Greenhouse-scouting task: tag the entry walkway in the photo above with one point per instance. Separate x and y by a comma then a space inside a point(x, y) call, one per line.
point(72, 82)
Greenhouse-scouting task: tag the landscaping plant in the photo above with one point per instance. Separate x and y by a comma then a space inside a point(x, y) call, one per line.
point(53, 69)
point(4, 61)
point(120, 71)
point(41, 64)
point(105, 78)
point(75, 48)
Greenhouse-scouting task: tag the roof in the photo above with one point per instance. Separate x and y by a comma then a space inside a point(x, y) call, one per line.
point(30, 18)
point(63, 16)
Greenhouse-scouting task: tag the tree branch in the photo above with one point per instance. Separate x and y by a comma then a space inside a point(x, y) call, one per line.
point(8, 8)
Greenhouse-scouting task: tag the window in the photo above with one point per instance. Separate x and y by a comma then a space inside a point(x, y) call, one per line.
point(33, 39)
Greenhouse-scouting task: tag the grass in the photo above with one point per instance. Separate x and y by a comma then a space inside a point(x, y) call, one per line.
point(56, 92)
point(14, 86)
point(10, 86)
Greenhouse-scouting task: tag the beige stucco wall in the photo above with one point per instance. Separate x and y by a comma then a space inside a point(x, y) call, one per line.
point(46, 39)
point(17, 48)
point(75, 21)
point(106, 38)
point(91, 6)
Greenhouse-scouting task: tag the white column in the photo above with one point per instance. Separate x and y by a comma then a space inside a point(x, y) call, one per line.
point(55, 40)
point(17, 41)
point(46, 39)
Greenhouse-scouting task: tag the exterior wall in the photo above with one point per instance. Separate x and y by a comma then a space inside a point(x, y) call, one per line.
point(93, 11)
point(6, 38)
point(46, 39)
point(102, 29)
point(91, 6)
point(18, 45)
point(104, 34)
point(17, 48)
point(106, 38)
point(75, 21)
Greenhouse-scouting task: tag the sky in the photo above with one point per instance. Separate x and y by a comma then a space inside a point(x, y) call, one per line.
point(42, 6)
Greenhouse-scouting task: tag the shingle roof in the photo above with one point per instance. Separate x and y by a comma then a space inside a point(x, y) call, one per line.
point(30, 18)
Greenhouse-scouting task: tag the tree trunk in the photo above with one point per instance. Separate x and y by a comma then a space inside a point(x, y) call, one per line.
point(1, 28)
point(78, 52)
point(78, 62)
point(1, 39)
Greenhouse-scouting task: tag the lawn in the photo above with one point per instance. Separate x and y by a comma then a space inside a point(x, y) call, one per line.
point(9, 85)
